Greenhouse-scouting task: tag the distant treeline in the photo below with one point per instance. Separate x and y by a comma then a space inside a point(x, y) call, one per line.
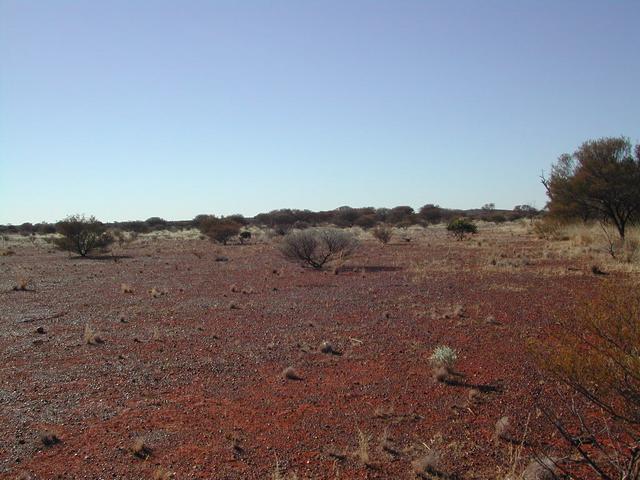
point(285, 219)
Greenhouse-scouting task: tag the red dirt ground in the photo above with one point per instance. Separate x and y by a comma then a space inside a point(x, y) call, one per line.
point(197, 374)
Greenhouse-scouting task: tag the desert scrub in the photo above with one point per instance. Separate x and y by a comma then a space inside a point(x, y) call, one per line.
point(443, 356)
point(315, 247)
point(442, 361)
point(461, 227)
point(382, 233)
point(82, 235)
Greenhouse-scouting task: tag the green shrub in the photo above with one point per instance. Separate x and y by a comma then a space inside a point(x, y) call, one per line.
point(82, 235)
point(460, 227)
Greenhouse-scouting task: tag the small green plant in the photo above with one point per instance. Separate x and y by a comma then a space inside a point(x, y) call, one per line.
point(443, 356)
point(461, 227)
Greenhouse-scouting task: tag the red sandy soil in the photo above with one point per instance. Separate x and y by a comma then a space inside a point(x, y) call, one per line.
point(197, 372)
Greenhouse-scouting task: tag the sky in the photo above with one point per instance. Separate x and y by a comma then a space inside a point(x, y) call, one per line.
point(127, 109)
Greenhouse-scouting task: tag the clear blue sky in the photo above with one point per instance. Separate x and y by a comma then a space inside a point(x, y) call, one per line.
point(128, 109)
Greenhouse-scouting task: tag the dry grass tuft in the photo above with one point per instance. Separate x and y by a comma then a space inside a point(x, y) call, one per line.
point(22, 284)
point(279, 475)
point(362, 451)
point(383, 412)
point(162, 474)
point(90, 336)
point(503, 429)
point(291, 374)
point(387, 445)
point(544, 468)
point(139, 449)
point(426, 465)
point(327, 347)
point(155, 293)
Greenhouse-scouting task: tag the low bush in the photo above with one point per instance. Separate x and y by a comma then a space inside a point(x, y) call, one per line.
point(317, 246)
point(219, 230)
point(382, 233)
point(461, 227)
point(595, 357)
point(82, 235)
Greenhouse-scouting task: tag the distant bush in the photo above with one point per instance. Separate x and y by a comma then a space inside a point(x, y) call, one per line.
point(156, 223)
point(245, 236)
point(366, 221)
point(547, 228)
point(82, 235)
point(383, 233)
point(219, 230)
point(315, 247)
point(461, 227)
point(497, 218)
point(402, 216)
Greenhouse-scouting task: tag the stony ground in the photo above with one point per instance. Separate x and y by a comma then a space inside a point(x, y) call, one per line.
point(189, 376)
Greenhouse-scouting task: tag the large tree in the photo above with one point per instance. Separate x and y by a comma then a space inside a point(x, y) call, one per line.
point(600, 181)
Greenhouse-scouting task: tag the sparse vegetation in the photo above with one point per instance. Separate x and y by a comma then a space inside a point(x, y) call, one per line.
point(316, 247)
point(82, 235)
point(599, 181)
point(595, 357)
point(140, 449)
point(362, 450)
point(49, 439)
point(291, 373)
point(90, 336)
point(461, 227)
point(382, 233)
point(219, 230)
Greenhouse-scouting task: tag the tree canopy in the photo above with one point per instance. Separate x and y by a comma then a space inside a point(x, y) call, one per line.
point(599, 181)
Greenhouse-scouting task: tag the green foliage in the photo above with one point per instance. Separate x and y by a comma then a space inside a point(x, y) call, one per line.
point(82, 235)
point(600, 181)
point(443, 356)
point(461, 227)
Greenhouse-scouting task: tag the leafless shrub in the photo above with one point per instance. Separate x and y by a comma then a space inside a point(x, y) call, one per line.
point(594, 357)
point(315, 247)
